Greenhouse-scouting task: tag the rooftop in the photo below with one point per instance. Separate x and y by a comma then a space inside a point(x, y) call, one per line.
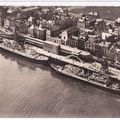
point(86, 30)
point(75, 37)
point(72, 29)
point(117, 20)
point(93, 13)
point(85, 53)
point(75, 50)
point(106, 44)
point(29, 9)
point(99, 20)
point(52, 43)
point(70, 49)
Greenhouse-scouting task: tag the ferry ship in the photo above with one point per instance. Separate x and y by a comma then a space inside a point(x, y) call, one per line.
point(99, 79)
point(26, 52)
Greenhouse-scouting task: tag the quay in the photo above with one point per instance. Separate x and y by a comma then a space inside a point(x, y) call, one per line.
point(39, 44)
point(65, 49)
point(65, 59)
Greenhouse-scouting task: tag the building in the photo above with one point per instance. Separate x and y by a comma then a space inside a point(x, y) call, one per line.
point(85, 31)
point(50, 25)
point(66, 22)
point(9, 23)
point(92, 16)
point(110, 37)
point(52, 39)
point(73, 41)
point(103, 48)
point(30, 30)
point(40, 33)
point(48, 35)
point(116, 31)
point(59, 10)
point(81, 42)
point(106, 35)
point(65, 35)
point(90, 45)
point(1, 20)
point(117, 22)
point(3, 14)
point(100, 26)
point(114, 53)
point(55, 40)
point(22, 26)
point(37, 32)
point(81, 23)
point(118, 57)
point(51, 47)
point(77, 42)
point(91, 19)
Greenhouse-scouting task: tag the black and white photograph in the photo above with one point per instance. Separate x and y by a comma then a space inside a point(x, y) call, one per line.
point(59, 61)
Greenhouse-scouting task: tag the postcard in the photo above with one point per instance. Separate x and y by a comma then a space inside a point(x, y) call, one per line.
point(59, 59)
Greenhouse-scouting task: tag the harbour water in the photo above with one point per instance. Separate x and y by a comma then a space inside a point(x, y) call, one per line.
point(31, 90)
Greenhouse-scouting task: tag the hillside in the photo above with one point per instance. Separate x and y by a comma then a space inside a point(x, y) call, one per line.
point(110, 13)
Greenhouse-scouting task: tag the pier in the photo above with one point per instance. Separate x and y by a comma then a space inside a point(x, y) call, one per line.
point(65, 59)
point(39, 44)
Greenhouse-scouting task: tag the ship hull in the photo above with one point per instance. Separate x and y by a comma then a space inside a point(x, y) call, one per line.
point(85, 81)
point(45, 62)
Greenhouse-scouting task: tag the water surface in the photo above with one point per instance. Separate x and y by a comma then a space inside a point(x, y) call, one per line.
point(32, 90)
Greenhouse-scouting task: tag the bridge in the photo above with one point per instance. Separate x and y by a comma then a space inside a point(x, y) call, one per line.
point(74, 57)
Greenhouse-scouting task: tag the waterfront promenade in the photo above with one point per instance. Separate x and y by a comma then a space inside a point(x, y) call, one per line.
point(94, 66)
point(114, 71)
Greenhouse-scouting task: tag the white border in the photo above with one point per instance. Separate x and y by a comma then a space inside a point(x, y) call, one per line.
point(65, 3)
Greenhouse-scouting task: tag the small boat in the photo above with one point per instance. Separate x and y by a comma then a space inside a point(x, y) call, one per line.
point(94, 78)
point(27, 52)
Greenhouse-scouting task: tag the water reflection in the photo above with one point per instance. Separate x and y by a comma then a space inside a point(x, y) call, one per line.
point(32, 90)
point(21, 62)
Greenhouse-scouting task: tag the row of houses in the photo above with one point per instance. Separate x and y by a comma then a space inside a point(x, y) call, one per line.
point(80, 36)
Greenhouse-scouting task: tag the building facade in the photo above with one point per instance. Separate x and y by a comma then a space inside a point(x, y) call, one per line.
point(66, 34)
point(52, 39)
point(37, 32)
point(51, 47)
point(90, 45)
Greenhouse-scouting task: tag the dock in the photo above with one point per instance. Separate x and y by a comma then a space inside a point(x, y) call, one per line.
point(86, 65)
point(65, 59)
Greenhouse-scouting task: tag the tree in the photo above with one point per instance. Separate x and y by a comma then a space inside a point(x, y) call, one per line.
point(19, 39)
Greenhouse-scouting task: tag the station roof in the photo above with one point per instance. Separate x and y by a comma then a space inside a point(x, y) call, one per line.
point(75, 50)
point(84, 53)
point(51, 43)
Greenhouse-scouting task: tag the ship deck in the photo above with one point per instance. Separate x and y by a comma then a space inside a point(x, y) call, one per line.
point(114, 71)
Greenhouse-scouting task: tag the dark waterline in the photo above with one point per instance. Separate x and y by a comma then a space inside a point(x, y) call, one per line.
point(32, 90)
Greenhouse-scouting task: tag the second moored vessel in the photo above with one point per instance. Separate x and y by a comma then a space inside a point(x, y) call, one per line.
point(95, 78)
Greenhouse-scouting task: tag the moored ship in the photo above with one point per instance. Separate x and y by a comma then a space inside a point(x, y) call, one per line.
point(26, 51)
point(99, 79)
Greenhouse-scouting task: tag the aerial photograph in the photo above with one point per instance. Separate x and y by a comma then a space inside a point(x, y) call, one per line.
point(59, 61)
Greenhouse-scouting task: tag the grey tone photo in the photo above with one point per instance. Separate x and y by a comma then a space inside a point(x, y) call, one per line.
point(59, 61)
